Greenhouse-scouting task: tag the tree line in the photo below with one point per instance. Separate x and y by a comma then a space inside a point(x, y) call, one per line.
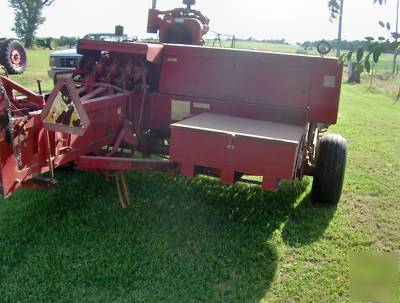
point(344, 44)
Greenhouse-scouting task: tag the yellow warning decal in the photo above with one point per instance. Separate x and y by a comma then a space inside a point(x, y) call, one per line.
point(63, 111)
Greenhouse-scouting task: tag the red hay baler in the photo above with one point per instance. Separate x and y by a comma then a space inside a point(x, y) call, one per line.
point(221, 112)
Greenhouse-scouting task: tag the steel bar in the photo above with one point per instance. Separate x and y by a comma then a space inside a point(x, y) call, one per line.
point(123, 164)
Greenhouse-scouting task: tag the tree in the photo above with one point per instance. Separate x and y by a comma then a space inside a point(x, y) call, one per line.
point(334, 6)
point(372, 48)
point(28, 17)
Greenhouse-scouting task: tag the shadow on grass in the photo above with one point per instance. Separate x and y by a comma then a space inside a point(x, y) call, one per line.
point(307, 223)
point(183, 240)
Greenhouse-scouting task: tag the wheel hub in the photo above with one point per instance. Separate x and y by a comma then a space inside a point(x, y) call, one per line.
point(16, 58)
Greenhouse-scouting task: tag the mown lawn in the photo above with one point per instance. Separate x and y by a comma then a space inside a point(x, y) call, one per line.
point(38, 64)
point(198, 241)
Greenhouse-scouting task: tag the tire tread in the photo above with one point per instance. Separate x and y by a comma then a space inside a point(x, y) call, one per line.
point(330, 170)
point(5, 58)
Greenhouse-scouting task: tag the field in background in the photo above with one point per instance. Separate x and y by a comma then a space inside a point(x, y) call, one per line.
point(38, 64)
point(256, 45)
point(195, 240)
point(385, 64)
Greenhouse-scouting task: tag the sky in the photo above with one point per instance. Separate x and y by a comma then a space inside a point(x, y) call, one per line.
point(292, 20)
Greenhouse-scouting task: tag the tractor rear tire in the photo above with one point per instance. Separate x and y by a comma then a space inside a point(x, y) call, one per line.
point(13, 56)
point(52, 44)
point(330, 170)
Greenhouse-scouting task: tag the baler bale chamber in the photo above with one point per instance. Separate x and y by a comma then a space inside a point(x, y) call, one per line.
point(222, 112)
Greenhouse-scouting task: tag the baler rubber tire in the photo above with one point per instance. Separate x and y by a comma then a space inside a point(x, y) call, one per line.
point(330, 170)
point(7, 48)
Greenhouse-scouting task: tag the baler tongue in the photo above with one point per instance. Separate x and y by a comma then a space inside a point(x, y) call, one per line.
point(64, 111)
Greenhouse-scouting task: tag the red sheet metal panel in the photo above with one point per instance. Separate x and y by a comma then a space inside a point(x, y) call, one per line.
point(289, 81)
point(235, 75)
point(325, 92)
point(231, 145)
point(151, 51)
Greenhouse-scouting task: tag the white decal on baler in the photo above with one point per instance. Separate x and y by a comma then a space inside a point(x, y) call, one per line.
point(179, 110)
point(329, 81)
point(201, 105)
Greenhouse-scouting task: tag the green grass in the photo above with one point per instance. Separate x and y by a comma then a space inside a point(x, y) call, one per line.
point(195, 240)
point(38, 64)
point(283, 48)
point(257, 45)
point(385, 64)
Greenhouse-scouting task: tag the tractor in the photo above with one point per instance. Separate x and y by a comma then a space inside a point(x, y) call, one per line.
point(238, 115)
point(12, 56)
point(180, 25)
point(49, 43)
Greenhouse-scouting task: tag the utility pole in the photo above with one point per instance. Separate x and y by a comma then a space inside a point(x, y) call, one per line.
point(339, 42)
point(396, 53)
